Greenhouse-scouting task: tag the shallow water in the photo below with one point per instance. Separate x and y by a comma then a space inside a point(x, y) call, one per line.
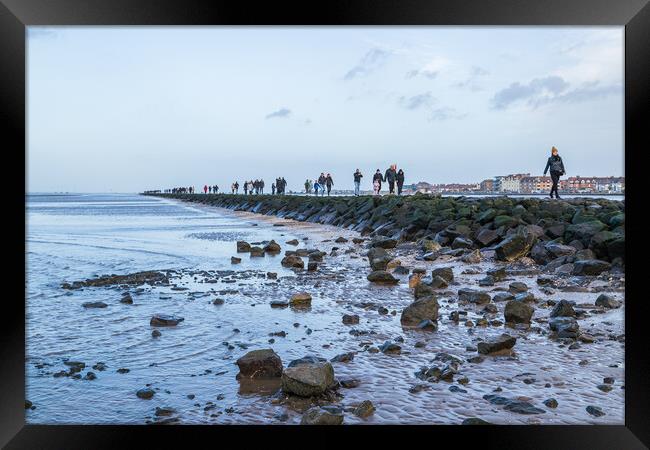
point(75, 237)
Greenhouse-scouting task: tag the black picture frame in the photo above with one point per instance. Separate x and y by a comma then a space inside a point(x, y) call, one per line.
point(15, 15)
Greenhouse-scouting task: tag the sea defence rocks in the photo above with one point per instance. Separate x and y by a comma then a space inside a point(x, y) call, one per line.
point(512, 227)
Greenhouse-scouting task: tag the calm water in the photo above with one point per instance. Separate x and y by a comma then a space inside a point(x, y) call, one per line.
point(75, 237)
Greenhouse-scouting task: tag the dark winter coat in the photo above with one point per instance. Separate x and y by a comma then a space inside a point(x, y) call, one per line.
point(555, 164)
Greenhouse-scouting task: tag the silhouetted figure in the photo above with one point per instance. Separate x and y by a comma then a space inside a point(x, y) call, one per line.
point(329, 182)
point(357, 182)
point(390, 176)
point(557, 169)
point(376, 182)
point(400, 181)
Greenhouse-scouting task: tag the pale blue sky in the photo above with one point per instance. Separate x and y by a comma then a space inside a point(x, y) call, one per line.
point(123, 109)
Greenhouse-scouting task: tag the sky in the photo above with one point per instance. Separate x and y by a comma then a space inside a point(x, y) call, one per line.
point(125, 109)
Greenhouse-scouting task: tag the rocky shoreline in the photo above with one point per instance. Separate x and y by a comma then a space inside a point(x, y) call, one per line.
point(498, 310)
point(582, 236)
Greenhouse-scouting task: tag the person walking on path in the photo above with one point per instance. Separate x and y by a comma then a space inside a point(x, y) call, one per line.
point(557, 169)
point(272, 188)
point(357, 182)
point(376, 182)
point(329, 182)
point(390, 176)
point(317, 186)
point(215, 189)
point(205, 189)
point(210, 189)
point(261, 186)
point(400, 181)
point(307, 186)
point(321, 182)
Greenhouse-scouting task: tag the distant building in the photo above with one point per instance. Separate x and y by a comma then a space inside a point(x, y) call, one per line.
point(487, 185)
point(581, 184)
point(510, 183)
point(610, 184)
point(530, 185)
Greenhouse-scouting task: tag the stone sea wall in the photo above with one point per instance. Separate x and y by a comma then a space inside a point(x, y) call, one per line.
point(587, 234)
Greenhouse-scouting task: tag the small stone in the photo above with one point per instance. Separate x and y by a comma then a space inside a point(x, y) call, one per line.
point(155, 334)
point(551, 403)
point(350, 319)
point(364, 409)
point(607, 301)
point(235, 260)
point(595, 411)
point(94, 305)
point(300, 300)
point(145, 393)
point(503, 342)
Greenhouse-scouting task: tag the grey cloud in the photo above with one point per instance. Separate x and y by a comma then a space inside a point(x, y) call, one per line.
point(370, 62)
point(552, 89)
point(446, 113)
point(417, 101)
point(425, 73)
point(532, 91)
point(584, 93)
point(471, 81)
point(283, 112)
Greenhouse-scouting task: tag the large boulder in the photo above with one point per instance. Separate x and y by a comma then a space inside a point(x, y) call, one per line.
point(558, 250)
point(446, 273)
point(272, 247)
point(384, 243)
point(583, 231)
point(514, 247)
point(473, 296)
point(263, 363)
point(487, 237)
point(502, 343)
point(562, 309)
point(293, 261)
point(420, 310)
point(381, 276)
point(564, 327)
point(243, 246)
point(307, 380)
point(518, 312)
point(300, 300)
point(607, 301)
point(590, 267)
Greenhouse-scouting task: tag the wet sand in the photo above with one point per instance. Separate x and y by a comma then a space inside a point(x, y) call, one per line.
point(540, 368)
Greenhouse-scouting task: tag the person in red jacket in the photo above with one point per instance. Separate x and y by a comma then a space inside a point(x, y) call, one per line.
point(205, 189)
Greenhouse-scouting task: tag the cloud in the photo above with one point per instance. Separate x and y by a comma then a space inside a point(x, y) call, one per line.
point(532, 91)
point(431, 69)
point(280, 113)
point(551, 89)
point(470, 82)
point(445, 113)
point(417, 101)
point(428, 102)
point(370, 62)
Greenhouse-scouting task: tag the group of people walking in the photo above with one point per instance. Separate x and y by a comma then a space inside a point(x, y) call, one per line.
point(180, 190)
point(250, 187)
point(320, 185)
point(392, 176)
point(279, 186)
point(325, 182)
